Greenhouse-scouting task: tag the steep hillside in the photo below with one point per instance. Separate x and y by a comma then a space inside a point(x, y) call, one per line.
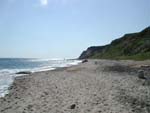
point(130, 46)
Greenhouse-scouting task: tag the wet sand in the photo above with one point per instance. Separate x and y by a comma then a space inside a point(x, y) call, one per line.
point(97, 86)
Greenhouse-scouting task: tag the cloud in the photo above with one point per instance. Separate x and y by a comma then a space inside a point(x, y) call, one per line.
point(44, 2)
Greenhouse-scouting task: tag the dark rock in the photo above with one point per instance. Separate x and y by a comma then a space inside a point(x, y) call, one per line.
point(45, 93)
point(99, 111)
point(96, 63)
point(24, 72)
point(72, 106)
point(141, 75)
point(30, 107)
point(84, 61)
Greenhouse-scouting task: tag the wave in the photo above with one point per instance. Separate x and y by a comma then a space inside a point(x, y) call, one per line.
point(40, 60)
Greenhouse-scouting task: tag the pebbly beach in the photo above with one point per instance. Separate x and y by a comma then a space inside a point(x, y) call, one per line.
point(96, 86)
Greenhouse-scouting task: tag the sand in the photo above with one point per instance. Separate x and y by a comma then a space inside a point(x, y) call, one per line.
point(97, 86)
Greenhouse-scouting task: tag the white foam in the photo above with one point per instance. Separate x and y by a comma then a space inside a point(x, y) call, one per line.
point(46, 68)
point(6, 80)
point(75, 62)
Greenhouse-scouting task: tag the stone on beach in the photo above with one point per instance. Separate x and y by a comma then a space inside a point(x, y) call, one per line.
point(24, 72)
point(84, 61)
point(141, 74)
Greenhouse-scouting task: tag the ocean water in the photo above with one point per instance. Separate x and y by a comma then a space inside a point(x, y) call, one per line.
point(10, 66)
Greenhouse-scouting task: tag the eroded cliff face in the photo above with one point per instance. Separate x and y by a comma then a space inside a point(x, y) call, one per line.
point(130, 46)
point(91, 51)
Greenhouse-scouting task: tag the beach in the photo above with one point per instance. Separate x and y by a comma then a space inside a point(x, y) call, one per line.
point(96, 86)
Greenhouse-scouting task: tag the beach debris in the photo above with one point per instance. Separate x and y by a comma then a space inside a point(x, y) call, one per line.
point(84, 61)
point(141, 74)
point(24, 72)
point(73, 106)
point(145, 66)
point(119, 68)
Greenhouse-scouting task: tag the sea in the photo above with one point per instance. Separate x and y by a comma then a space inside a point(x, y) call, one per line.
point(10, 66)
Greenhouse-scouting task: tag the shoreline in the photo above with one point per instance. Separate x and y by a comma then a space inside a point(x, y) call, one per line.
point(91, 87)
point(8, 78)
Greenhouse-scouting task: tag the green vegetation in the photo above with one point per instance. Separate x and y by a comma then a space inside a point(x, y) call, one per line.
point(141, 56)
point(135, 46)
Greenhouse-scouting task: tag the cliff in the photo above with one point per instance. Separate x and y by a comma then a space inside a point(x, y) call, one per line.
point(131, 46)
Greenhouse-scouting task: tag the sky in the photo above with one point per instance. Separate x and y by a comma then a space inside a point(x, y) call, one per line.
point(64, 28)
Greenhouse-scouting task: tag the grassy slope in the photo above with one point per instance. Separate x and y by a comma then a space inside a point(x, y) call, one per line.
point(134, 46)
